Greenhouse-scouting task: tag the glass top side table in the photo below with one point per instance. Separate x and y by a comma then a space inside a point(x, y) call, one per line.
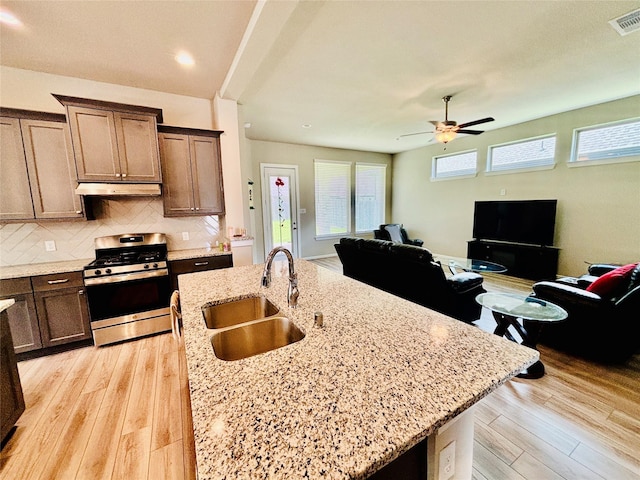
point(507, 308)
point(473, 265)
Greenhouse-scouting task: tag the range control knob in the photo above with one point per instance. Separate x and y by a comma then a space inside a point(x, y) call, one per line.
point(107, 271)
point(97, 272)
point(146, 265)
point(155, 265)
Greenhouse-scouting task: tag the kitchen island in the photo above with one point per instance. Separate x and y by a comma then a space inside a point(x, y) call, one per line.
point(381, 376)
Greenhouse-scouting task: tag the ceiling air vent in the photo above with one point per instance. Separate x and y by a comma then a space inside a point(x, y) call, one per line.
point(627, 23)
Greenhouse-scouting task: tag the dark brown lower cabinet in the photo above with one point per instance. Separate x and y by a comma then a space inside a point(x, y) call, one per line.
point(23, 318)
point(50, 310)
point(191, 265)
point(11, 398)
point(62, 308)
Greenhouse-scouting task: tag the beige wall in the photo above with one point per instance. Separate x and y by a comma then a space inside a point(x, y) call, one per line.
point(31, 90)
point(303, 156)
point(598, 217)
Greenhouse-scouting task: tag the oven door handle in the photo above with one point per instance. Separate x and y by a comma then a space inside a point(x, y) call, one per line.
point(126, 277)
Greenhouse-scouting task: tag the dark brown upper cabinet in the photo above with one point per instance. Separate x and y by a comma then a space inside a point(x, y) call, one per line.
point(38, 172)
point(192, 170)
point(113, 142)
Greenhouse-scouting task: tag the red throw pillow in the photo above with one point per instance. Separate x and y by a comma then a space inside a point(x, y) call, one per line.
point(611, 282)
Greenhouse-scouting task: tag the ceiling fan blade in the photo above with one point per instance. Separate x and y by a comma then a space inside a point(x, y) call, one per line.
point(411, 134)
point(471, 132)
point(435, 123)
point(477, 122)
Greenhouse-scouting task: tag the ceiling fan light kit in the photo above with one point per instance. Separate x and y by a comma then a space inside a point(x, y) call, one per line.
point(448, 129)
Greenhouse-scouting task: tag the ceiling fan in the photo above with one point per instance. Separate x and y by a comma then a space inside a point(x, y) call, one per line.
point(448, 130)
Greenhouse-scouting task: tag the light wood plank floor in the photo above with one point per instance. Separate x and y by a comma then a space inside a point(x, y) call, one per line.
point(123, 411)
point(119, 411)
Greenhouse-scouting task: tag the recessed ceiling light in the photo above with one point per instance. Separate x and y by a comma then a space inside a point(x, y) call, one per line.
point(306, 125)
point(9, 18)
point(184, 58)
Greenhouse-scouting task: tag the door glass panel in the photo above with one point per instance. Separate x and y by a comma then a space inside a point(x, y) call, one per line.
point(281, 228)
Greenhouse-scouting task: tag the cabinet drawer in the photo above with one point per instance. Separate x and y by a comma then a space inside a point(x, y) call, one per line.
point(14, 286)
point(191, 265)
point(56, 281)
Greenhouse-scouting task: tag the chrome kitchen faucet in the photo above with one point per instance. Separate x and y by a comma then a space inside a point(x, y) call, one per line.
point(293, 293)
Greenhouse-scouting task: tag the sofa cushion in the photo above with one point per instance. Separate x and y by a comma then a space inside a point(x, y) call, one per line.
point(394, 233)
point(411, 253)
point(464, 282)
point(614, 282)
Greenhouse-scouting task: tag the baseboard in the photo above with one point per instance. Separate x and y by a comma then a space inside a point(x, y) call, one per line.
point(317, 257)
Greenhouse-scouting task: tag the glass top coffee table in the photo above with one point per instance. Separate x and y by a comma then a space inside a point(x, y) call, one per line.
point(507, 308)
point(473, 265)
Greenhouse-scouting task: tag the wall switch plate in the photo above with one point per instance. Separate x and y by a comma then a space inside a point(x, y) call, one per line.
point(50, 245)
point(503, 191)
point(447, 462)
point(303, 210)
point(185, 235)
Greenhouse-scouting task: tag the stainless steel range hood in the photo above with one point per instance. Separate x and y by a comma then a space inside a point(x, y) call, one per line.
point(118, 189)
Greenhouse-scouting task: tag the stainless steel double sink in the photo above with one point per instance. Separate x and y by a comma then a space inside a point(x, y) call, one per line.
point(248, 326)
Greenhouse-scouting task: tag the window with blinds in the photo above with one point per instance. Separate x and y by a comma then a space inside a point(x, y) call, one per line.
point(455, 165)
point(333, 197)
point(615, 142)
point(530, 153)
point(370, 196)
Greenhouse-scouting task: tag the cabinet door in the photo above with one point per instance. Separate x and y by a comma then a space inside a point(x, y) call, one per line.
point(177, 187)
point(15, 194)
point(63, 315)
point(207, 175)
point(138, 147)
point(191, 265)
point(11, 398)
point(95, 145)
point(52, 171)
point(23, 322)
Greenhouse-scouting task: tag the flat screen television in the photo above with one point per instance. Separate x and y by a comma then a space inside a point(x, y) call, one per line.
point(520, 221)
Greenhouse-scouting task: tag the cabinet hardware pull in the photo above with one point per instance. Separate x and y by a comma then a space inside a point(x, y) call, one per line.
point(78, 212)
point(80, 292)
point(197, 208)
point(124, 175)
point(53, 282)
point(117, 174)
point(200, 264)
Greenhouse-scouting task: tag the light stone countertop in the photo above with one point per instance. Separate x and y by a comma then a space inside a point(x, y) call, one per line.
point(48, 268)
point(4, 304)
point(381, 376)
point(194, 253)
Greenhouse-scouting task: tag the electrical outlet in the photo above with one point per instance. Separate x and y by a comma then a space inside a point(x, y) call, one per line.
point(447, 462)
point(303, 210)
point(185, 235)
point(503, 191)
point(50, 245)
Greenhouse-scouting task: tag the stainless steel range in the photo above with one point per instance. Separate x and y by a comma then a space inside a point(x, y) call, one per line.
point(128, 287)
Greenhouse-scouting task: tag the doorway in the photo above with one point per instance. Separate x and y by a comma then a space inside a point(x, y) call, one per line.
point(280, 207)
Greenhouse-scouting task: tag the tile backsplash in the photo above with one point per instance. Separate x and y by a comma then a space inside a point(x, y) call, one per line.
point(24, 243)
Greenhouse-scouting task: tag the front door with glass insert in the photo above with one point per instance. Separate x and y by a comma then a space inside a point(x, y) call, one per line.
point(279, 201)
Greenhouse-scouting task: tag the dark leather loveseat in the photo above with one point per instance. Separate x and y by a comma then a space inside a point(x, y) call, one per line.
point(604, 313)
point(411, 272)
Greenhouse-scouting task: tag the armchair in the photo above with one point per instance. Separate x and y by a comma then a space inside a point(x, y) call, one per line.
point(395, 232)
point(603, 318)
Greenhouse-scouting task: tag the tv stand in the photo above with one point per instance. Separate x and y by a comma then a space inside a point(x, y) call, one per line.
point(522, 260)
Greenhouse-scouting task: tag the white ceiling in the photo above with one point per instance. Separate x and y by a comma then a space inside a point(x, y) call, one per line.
point(361, 73)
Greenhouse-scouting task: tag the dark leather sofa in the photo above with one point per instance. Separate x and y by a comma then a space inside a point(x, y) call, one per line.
point(411, 272)
point(396, 233)
point(600, 326)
